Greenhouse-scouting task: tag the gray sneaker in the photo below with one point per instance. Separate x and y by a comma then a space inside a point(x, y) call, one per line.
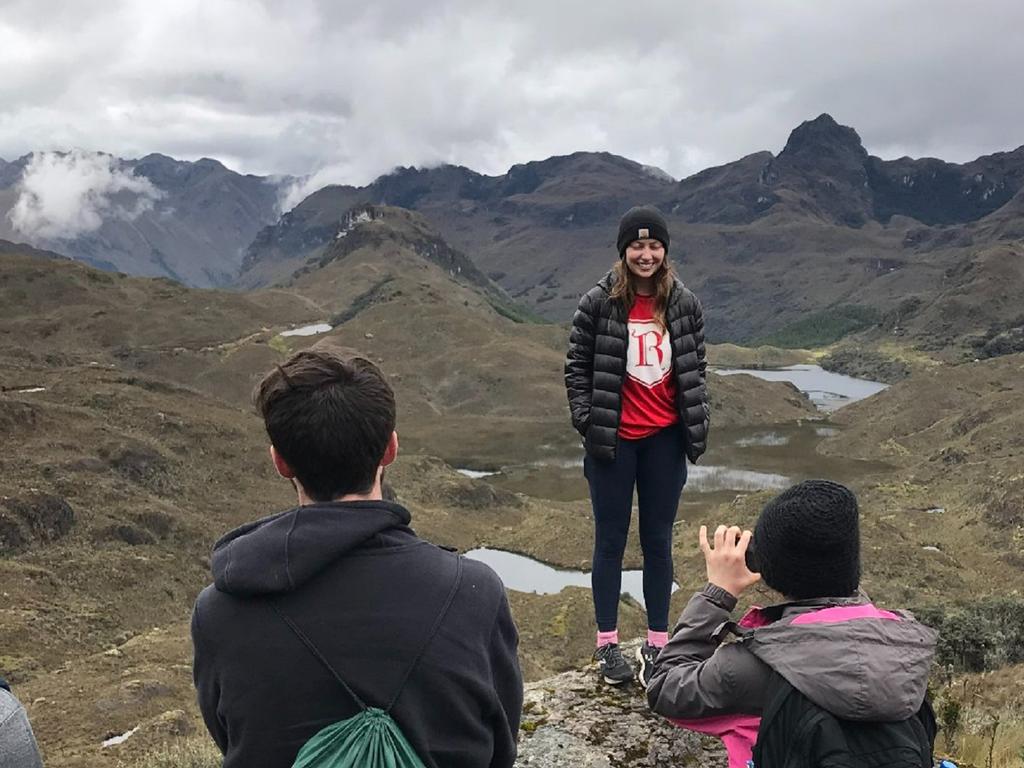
point(613, 665)
point(646, 655)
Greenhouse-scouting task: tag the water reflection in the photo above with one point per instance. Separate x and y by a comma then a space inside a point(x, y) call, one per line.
point(308, 330)
point(524, 574)
point(829, 391)
point(769, 439)
point(476, 474)
point(739, 460)
point(703, 478)
point(710, 479)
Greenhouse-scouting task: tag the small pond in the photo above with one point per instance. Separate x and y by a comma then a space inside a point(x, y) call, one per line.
point(826, 390)
point(739, 460)
point(308, 330)
point(524, 574)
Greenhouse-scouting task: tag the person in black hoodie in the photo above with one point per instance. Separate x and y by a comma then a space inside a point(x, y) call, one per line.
point(347, 570)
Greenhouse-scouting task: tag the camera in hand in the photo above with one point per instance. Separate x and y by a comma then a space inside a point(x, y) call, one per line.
point(751, 558)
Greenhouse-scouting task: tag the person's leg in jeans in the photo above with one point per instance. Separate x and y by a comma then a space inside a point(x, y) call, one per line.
point(660, 477)
point(611, 496)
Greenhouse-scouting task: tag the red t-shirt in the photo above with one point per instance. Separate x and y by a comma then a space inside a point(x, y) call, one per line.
point(649, 389)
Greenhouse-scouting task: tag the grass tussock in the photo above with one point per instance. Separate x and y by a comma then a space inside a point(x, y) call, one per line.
point(187, 753)
point(280, 344)
point(981, 718)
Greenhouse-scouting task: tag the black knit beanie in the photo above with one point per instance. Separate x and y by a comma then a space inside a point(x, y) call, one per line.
point(807, 541)
point(640, 223)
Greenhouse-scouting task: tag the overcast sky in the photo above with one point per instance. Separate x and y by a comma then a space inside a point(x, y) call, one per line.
point(352, 89)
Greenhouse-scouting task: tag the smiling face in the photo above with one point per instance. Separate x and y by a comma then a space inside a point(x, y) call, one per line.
point(645, 257)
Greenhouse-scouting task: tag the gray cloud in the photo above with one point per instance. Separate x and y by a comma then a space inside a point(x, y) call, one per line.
point(346, 91)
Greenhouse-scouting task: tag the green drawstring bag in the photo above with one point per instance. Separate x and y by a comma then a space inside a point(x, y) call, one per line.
point(371, 739)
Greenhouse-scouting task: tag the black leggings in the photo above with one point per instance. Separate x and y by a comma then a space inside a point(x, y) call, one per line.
point(657, 466)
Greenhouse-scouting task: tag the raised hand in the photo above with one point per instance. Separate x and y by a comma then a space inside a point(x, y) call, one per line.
point(726, 561)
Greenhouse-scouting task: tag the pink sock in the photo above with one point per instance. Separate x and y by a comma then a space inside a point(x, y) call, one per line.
point(657, 639)
point(604, 638)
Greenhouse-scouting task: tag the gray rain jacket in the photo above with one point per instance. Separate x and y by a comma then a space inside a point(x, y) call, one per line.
point(17, 744)
point(845, 655)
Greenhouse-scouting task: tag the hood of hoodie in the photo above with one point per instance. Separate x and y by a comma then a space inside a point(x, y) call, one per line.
point(869, 668)
point(281, 552)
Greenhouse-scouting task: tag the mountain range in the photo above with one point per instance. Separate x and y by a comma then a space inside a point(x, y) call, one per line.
point(200, 217)
point(800, 247)
point(823, 233)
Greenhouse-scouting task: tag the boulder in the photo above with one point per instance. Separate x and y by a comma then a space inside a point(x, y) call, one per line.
point(575, 719)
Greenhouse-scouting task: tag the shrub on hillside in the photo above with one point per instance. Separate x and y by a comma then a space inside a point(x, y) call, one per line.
point(980, 636)
point(818, 329)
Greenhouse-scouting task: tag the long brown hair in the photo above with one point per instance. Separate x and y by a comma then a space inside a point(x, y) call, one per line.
point(624, 289)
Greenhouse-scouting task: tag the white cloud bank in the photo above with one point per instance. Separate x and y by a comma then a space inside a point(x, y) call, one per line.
point(64, 195)
point(344, 90)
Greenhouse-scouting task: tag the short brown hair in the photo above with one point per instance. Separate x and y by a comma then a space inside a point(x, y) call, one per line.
point(330, 417)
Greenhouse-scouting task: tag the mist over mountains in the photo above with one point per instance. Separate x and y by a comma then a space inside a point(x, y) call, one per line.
point(155, 216)
point(824, 171)
point(820, 227)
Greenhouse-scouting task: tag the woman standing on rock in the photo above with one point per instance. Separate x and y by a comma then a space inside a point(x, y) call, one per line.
point(635, 379)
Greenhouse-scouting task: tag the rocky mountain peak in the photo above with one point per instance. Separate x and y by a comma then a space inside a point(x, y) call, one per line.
point(407, 186)
point(384, 228)
point(825, 164)
point(164, 171)
point(580, 164)
point(209, 162)
point(156, 158)
point(11, 171)
point(823, 136)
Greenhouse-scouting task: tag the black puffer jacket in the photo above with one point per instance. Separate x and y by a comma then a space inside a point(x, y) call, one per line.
point(596, 366)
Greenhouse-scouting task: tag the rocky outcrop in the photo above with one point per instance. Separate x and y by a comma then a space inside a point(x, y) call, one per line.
point(865, 364)
point(36, 517)
point(575, 720)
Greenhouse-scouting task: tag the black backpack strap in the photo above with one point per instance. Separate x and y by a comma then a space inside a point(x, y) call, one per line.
point(408, 672)
point(778, 690)
point(433, 631)
point(316, 652)
point(926, 730)
point(726, 628)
